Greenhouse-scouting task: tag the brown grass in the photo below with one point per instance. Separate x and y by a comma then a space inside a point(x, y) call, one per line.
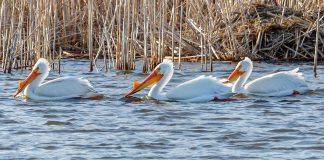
point(120, 31)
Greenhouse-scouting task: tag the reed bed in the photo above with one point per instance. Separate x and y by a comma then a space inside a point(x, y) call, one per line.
point(121, 31)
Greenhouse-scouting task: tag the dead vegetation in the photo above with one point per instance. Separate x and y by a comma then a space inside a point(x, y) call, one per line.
point(120, 31)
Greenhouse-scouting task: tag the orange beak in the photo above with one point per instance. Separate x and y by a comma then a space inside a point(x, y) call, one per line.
point(23, 84)
point(153, 78)
point(235, 74)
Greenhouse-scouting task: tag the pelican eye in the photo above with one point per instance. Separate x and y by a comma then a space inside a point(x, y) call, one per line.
point(158, 70)
point(36, 70)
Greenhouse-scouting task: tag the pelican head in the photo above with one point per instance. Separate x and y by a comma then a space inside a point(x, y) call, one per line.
point(241, 68)
point(160, 73)
point(39, 72)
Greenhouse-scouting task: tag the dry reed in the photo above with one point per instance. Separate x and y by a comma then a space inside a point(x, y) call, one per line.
point(120, 31)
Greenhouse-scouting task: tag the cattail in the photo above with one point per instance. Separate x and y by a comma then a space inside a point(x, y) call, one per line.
point(90, 33)
point(317, 37)
point(180, 50)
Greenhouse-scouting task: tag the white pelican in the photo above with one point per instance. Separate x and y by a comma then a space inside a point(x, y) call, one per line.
point(203, 88)
point(57, 89)
point(277, 84)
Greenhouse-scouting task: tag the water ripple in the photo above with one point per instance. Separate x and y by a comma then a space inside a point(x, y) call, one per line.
point(243, 127)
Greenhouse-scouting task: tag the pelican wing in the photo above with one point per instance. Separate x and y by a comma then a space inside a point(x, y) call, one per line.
point(66, 87)
point(278, 84)
point(201, 86)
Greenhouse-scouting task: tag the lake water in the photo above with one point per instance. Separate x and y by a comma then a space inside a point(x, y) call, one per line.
point(114, 128)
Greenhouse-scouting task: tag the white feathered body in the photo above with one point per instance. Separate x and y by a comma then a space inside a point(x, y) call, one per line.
point(63, 88)
point(278, 84)
point(202, 88)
